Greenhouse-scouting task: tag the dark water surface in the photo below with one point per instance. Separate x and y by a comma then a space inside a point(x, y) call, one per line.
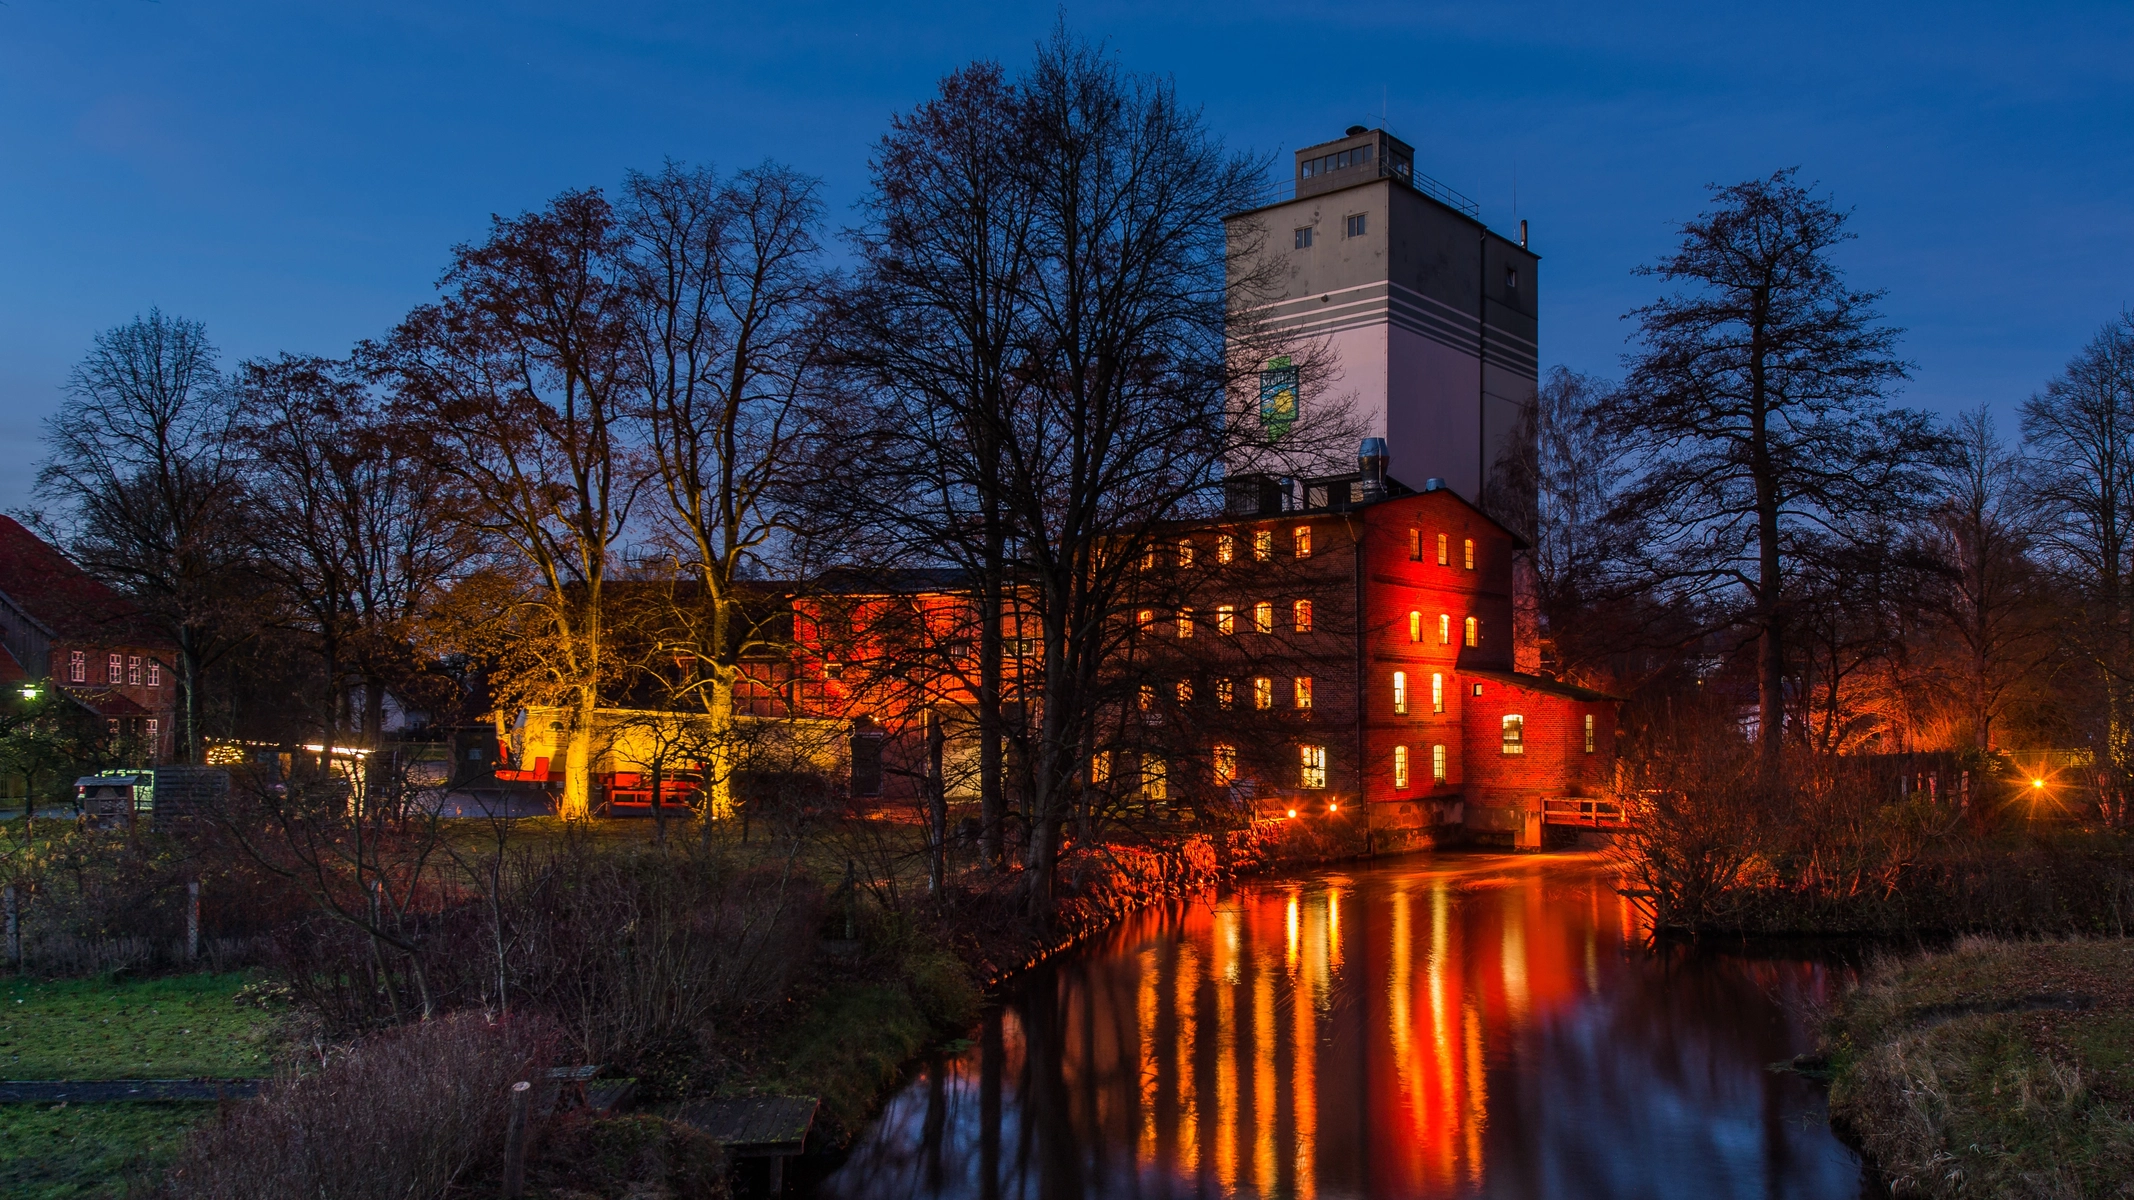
point(1472, 1025)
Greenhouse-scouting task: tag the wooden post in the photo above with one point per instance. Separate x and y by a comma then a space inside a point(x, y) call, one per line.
point(14, 929)
point(515, 1143)
point(192, 919)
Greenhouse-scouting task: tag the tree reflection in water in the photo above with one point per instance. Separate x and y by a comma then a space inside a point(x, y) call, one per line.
point(1460, 1026)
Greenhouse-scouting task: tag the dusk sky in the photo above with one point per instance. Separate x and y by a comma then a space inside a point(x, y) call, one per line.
point(294, 176)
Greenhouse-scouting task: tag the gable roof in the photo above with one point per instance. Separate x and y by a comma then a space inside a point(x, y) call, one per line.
point(1542, 684)
point(72, 604)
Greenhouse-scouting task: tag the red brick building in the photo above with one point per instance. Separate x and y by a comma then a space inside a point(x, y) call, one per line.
point(63, 627)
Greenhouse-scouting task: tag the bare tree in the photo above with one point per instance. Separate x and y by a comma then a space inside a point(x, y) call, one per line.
point(2082, 429)
point(1753, 413)
point(145, 460)
point(518, 381)
point(724, 317)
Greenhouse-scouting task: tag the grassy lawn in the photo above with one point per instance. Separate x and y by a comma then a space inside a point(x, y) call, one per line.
point(1993, 1069)
point(168, 1028)
point(66, 1152)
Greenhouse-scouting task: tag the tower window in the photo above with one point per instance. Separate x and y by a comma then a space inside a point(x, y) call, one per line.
point(1304, 238)
point(1415, 627)
point(1185, 622)
point(1400, 693)
point(1262, 692)
point(1474, 632)
point(1444, 629)
point(1263, 617)
point(1185, 552)
point(1437, 764)
point(1354, 224)
point(1225, 619)
point(1262, 544)
point(1415, 545)
point(1304, 691)
point(1304, 541)
point(1514, 734)
point(1225, 694)
point(1225, 548)
point(1444, 558)
point(1301, 615)
point(1400, 768)
point(1589, 733)
point(1225, 762)
point(1437, 693)
point(1470, 554)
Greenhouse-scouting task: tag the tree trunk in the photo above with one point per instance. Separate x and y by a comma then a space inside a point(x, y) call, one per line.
point(578, 768)
point(719, 766)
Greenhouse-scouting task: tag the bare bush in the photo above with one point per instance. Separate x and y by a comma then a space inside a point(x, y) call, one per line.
point(403, 1115)
point(1700, 810)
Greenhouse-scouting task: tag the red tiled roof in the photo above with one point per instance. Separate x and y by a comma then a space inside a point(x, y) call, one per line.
point(73, 604)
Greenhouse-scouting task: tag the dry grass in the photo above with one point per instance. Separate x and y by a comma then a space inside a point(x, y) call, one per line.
point(1993, 1069)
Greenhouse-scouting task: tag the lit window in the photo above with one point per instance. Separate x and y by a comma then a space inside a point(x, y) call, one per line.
point(1589, 733)
point(1470, 554)
point(1304, 237)
point(1263, 617)
point(77, 667)
point(1303, 538)
point(1224, 694)
point(1148, 697)
point(155, 673)
point(1474, 632)
point(1146, 618)
point(133, 670)
point(1185, 692)
point(1225, 548)
point(1415, 627)
point(1263, 692)
point(1100, 768)
point(1304, 691)
point(1437, 764)
point(1225, 619)
point(1312, 760)
point(1444, 629)
point(1478, 689)
point(1148, 558)
point(1400, 692)
point(1155, 779)
point(154, 731)
point(1301, 615)
point(1444, 556)
point(1355, 225)
point(1185, 622)
point(1225, 763)
point(1185, 552)
point(1400, 768)
point(1437, 693)
point(1514, 734)
point(116, 668)
point(1262, 544)
point(1415, 545)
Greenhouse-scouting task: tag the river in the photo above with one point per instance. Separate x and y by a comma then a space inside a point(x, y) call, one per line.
point(1462, 1025)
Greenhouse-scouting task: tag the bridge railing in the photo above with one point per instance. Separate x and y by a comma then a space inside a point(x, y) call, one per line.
point(1593, 812)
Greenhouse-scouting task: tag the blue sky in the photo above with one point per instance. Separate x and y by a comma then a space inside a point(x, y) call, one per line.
point(294, 175)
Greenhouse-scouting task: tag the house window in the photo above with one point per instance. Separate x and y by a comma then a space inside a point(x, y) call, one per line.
point(1301, 615)
point(133, 670)
point(1224, 759)
point(1437, 693)
point(1263, 617)
point(1470, 551)
point(116, 669)
point(1304, 691)
point(1400, 768)
point(1224, 694)
point(1185, 552)
point(1312, 760)
point(1478, 689)
point(1263, 692)
point(1474, 632)
point(1589, 733)
point(1262, 545)
point(1444, 629)
point(1444, 556)
point(1514, 733)
point(1303, 539)
point(1304, 237)
point(1355, 225)
point(1415, 545)
point(1437, 764)
point(1415, 627)
point(77, 667)
point(1225, 548)
point(1185, 693)
point(1148, 697)
point(1400, 692)
point(1225, 619)
point(1185, 622)
point(154, 731)
point(1146, 618)
point(155, 673)
point(1148, 559)
point(1100, 768)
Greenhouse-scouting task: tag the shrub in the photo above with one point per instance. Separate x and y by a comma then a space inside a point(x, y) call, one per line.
point(402, 1115)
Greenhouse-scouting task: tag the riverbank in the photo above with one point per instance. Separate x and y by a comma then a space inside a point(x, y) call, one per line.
point(1994, 1068)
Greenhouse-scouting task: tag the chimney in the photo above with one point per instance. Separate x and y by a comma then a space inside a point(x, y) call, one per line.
point(1371, 464)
